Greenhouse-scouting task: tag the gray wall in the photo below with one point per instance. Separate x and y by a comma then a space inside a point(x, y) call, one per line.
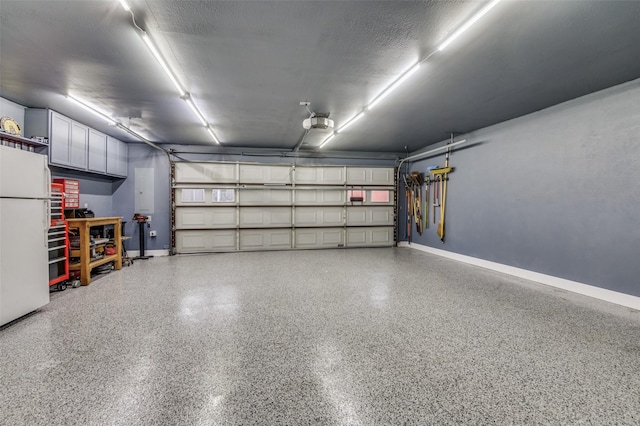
point(95, 191)
point(13, 110)
point(554, 192)
point(142, 156)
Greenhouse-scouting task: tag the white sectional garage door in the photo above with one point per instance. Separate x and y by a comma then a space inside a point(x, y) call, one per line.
point(220, 207)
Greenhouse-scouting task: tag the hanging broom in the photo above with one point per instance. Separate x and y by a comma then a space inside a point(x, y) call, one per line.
point(442, 174)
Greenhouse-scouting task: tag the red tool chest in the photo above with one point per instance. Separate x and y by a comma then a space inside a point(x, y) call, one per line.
point(58, 239)
point(71, 190)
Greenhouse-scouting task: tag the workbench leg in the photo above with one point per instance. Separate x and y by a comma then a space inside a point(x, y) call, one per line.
point(117, 239)
point(85, 255)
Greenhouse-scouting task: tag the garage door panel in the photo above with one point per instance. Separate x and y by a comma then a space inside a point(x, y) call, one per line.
point(320, 175)
point(368, 237)
point(370, 176)
point(258, 217)
point(265, 239)
point(356, 237)
point(205, 217)
point(361, 215)
point(319, 238)
point(252, 173)
point(205, 241)
point(381, 176)
point(187, 172)
point(320, 196)
point(382, 236)
point(381, 215)
point(319, 216)
point(356, 216)
point(356, 176)
point(265, 196)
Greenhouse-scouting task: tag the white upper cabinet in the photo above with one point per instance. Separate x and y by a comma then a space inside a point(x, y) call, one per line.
point(59, 139)
point(117, 153)
point(97, 161)
point(76, 146)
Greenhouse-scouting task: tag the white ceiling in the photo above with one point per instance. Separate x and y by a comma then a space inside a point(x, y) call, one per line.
point(248, 64)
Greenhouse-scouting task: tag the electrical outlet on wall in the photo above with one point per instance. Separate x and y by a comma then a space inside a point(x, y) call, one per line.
point(153, 233)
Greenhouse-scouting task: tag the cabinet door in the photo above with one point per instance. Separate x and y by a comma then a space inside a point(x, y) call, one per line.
point(78, 147)
point(60, 139)
point(124, 159)
point(97, 151)
point(116, 157)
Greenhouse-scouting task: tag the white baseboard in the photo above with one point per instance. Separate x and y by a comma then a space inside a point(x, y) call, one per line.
point(154, 253)
point(573, 286)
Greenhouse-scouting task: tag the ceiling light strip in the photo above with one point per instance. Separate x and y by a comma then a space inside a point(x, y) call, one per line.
point(394, 85)
point(213, 135)
point(189, 100)
point(92, 110)
point(125, 5)
point(181, 92)
point(350, 122)
point(468, 24)
point(327, 140)
point(403, 77)
point(162, 62)
point(110, 120)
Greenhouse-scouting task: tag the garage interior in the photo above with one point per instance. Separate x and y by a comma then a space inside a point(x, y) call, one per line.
point(281, 172)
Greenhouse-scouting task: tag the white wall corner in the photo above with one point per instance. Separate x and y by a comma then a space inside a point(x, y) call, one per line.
point(611, 296)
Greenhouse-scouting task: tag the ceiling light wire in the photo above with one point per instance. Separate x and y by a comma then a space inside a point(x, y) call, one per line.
point(304, 136)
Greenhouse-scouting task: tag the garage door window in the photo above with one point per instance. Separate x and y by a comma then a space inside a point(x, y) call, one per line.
point(193, 195)
point(223, 196)
point(379, 196)
point(356, 195)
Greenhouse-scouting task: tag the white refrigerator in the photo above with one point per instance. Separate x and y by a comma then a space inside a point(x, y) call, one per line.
point(25, 185)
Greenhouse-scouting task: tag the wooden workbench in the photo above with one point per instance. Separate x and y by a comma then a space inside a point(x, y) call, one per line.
point(86, 264)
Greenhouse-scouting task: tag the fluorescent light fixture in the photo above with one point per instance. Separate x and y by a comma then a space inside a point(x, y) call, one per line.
point(164, 65)
point(92, 110)
point(195, 109)
point(397, 83)
point(350, 122)
point(327, 140)
point(468, 24)
point(125, 5)
point(213, 135)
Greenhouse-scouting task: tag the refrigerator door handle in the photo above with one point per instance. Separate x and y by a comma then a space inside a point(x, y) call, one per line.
point(47, 222)
point(47, 205)
point(47, 183)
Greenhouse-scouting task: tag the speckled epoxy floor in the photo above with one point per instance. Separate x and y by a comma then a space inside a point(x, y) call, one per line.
point(336, 337)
